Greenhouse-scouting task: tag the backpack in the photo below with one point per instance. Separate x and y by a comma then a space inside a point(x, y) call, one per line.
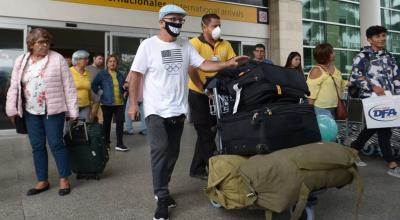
point(285, 178)
point(225, 185)
point(254, 84)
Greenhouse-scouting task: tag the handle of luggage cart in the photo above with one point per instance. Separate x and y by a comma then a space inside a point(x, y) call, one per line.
point(78, 122)
point(215, 109)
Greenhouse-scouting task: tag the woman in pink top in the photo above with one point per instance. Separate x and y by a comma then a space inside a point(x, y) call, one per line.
point(42, 91)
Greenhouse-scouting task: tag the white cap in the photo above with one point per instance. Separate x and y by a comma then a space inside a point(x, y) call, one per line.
point(171, 9)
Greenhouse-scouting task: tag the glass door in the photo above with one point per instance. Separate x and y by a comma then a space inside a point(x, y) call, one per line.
point(125, 46)
point(248, 47)
point(11, 46)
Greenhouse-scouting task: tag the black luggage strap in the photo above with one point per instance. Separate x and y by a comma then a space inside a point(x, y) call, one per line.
point(273, 89)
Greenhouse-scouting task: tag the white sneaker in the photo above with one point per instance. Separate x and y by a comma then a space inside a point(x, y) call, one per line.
point(121, 148)
point(360, 163)
point(394, 172)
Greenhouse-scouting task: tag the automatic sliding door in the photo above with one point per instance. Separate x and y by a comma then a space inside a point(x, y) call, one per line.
point(125, 47)
point(11, 46)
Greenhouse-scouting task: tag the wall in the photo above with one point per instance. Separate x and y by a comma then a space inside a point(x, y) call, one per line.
point(286, 29)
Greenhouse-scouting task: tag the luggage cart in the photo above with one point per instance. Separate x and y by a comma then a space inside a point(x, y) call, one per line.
point(220, 104)
point(349, 129)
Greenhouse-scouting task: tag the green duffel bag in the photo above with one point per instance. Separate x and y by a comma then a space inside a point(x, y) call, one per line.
point(285, 178)
point(225, 185)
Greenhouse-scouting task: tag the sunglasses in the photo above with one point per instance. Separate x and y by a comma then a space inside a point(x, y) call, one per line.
point(175, 20)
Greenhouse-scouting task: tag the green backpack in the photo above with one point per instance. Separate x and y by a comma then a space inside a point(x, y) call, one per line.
point(225, 185)
point(285, 178)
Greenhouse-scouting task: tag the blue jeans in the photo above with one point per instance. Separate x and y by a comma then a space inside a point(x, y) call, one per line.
point(128, 125)
point(84, 113)
point(331, 112)
point(50, 126)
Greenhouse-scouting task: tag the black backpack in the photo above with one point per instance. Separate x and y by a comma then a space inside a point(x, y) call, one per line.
point(260, 83)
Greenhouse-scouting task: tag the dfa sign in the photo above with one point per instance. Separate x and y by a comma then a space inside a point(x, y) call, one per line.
point(382, 111)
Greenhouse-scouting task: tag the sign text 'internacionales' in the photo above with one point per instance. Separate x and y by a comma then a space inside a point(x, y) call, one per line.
point(152, 3)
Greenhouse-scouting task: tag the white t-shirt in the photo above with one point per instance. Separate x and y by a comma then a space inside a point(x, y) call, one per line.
point(165, 67)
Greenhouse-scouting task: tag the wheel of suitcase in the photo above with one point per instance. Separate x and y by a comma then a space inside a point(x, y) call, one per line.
point(368, 150)
point(308, 213)
point(215, 204)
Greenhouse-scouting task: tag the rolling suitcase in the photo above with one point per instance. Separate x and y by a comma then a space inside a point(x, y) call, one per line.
point(273, 127)
point(87, 149)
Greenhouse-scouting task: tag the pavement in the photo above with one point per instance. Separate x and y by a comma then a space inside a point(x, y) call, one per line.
point(125, 189)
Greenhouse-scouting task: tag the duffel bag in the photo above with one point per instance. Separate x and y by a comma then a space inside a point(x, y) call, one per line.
point(267, 83)
point(285, 178)
point(225, 185)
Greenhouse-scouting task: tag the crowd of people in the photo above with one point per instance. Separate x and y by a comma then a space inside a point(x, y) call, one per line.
point(165, 80)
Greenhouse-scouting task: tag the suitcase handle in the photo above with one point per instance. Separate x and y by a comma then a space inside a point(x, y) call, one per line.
point(77, 123)
point(213, 107)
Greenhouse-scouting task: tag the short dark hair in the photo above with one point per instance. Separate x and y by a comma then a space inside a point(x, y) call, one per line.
point(34, 36)
point(206, 19)
point(96, 54)
point(259, 46)
point(322, 53)
point(375, 30)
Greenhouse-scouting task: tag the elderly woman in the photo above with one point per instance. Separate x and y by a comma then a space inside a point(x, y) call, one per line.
point(42, 91)
point(325, 81)
point(82, 82)
point(111, 82)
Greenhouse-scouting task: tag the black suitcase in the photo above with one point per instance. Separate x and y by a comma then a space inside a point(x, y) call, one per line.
point(87, 149)
point(273, 127)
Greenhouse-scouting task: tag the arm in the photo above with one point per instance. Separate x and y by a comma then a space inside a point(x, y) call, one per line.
point(194, 76)
point(12, 97)
point(358, 75)
point(314, 74)
point(96, 83)
point(134, 84)
point(71, 98)
point(214, 66)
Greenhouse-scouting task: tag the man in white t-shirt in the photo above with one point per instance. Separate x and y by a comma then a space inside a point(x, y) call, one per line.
point(163, 61)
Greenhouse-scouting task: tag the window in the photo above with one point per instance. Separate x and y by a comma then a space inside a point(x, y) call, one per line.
point(343, 61)
point(248, 50)
point(313, 33)
point(332, 11)
point(236, 46)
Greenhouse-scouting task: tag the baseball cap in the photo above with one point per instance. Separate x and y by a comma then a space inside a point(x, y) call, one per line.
point(171, 9)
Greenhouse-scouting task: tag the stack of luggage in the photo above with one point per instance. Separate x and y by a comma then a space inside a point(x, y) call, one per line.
point(87, 149)
point(261, 111)
point(268, 112)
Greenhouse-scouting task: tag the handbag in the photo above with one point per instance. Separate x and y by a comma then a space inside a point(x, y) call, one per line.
point(341, 110)
point(20, 125)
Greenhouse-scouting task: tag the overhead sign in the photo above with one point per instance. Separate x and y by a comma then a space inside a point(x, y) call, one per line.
point(193, 7)
point(258, 3)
